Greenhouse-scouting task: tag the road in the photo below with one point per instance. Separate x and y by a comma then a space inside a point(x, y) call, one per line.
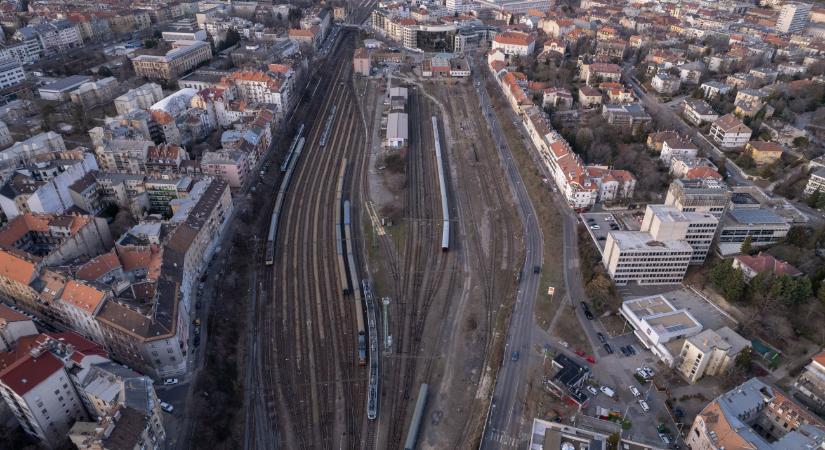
point(665, 114)
point(505, 417)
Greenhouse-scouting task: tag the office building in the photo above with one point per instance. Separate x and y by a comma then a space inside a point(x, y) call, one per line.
point(816, 182)
point(185, 57)
point(761, 225)
point(699, 195)
point(637, 256)
point(665, 222)
point(658, 325)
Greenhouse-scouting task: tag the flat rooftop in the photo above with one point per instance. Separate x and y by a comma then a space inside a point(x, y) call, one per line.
point(643, 241)
point(649, 306)
point(755, 216)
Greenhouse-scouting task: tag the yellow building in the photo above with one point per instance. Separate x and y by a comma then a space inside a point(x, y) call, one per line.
point(764, 153)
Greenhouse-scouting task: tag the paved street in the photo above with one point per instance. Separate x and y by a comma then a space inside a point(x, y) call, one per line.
point(505, 418)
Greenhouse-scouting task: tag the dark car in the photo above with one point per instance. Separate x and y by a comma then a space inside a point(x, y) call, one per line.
point(624, 351)
point(601, 238)
point(536, 269)
point(515, 356)
point(601, 338)
point(197, 340)
point(588, 314)
point(608, 349)
point(631, 349)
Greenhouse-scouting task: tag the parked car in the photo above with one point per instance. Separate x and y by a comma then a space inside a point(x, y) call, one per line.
point(588, 314)
point(644, 406)
point(631, 349)
point(167, 407)
point(592, 390)
point(635, 391)
point(601, 338)
point(196, 322)
point(170, 381)
point(624, 351)
point(665, 439)
point(607, 391)
point(197, 340)
point(595, 227)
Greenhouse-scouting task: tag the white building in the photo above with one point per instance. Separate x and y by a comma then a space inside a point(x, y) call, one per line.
point(515, 43)
point(22, 195)
point(11, 73)
point(455, 6)
point(636, 256)
point(665, 222)
point(38, 385)
point(31, 147)
point(6, 138)
point(656, 322)
point(699, 112)
point(793, 17)
point(142, 97)
point(13, 326)
point(677, 148)
point(729, 132)
point(397, 130)
point(710, 353)
point(182, 35)
point(816, 182)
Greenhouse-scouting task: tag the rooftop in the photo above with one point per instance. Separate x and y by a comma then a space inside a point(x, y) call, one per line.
point(638, 241)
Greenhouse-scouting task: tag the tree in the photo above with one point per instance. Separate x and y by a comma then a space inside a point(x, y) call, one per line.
point(743, 360)
point(613, 441)
point(104, 71)
point(728, 281)
point(820, 294)
point(813, 199)
point(747, 246)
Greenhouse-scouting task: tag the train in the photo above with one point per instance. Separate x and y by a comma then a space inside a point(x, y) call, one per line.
point(442, 184)
point(339, 234)
point(372, 387)
point(279, 203)
point(328, 126)
point(291, 150)
point(355, 286)
point(415, 424)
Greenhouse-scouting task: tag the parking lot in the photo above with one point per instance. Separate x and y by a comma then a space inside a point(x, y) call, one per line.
point(598, 225)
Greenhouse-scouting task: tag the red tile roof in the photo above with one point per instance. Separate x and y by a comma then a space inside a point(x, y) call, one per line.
point(764, 262)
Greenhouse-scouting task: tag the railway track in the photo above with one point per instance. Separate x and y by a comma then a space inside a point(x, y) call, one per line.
point(424, 268)
point(312, 387)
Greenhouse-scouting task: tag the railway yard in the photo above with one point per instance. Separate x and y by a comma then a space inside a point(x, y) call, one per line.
point(317, 373)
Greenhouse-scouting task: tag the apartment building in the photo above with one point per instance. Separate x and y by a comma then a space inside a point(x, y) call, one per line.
point(596, 73)
point(142, 97)
point(630, 116)
point(151, 332)
point(678, 147)
point(816, 182)
point(35, 381)
point(793, 17)
point(11, 73)
point(710, 353)
point(665, 83)
point(682, 167)
point(94, 93)
point(809, 387)
point(515, 43)
point(698, 112)
point(729, 132)
point(230, 165)
point(13, 326)
point(123, 155)
point(178, 61)
point(764, 153)
point(755, 415)
point(29, 243)
point(43, 184)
